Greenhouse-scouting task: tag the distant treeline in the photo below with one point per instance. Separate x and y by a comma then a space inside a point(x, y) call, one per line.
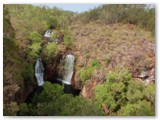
point(142, 15)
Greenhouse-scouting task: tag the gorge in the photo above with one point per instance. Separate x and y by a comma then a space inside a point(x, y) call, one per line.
point(62, 63)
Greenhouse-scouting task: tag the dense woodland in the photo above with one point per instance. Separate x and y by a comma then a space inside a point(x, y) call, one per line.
point(113, 45)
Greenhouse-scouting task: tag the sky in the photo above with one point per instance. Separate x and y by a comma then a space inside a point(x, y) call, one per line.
point(72, 7)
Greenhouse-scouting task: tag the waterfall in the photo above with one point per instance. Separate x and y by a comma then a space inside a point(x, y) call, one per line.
point(48, 33)
point(39, 72)
point(68, 69)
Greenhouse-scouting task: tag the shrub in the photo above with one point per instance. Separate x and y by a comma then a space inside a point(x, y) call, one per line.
point(50, 92)
point(149, 93)
point(78, 106)
point(54, 36)
point(140, 108)
point(26, 109)
point(86, 73)
point(67, 39)
point(28, 74)
point(35, 37)
point(119, 76)
point(34, 50)
point(134, 91)
point(95, 63)
point(45, 24)
point(52, 101)
point(11, 109)
point(51, 50)
point(142, 15)
point(120, 95)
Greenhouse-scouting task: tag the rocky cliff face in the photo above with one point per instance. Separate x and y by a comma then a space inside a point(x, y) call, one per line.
point(114, 45)
point(18, 74)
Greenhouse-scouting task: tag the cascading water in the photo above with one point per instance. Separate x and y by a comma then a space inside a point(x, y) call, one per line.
point(48, 33)
point(39, 72)
point(68, 74)
point(65, 78)
point(68, 69)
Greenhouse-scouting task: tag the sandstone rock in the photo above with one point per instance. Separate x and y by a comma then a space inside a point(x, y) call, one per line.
point(77, 83)
point(105, 109)
point(89, 87)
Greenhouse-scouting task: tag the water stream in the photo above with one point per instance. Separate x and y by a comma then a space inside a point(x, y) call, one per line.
point(39, 72)
point(66, 79)
point(68, 70)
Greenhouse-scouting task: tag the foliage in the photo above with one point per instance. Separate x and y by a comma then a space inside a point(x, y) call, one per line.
point(93, 14)
point(67, 38)
point(36, 18)
point(26, 109)
point(28, 74)
point(50, 50)
point(86, 73)
point(34, 50)
point(80, 108)
point(55, 91)
point(149, 93)
point(45, 24)
point(17, 74)
point(54, 36)
point(139, 108)
point(95, 63)
point(141, 15)
point(124, 96)
point(120, 94)
point(119, 76)
point(134, 91)
point(11, 109)
point(8, 30)
point(9, 47)
point(35, 37)
point(52, 101)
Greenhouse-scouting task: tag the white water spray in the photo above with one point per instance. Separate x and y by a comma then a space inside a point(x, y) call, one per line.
point(68, 69)
point(39, 72)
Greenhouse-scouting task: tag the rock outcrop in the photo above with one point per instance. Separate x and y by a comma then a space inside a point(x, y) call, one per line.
point(113, 45)
point(89, 87)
